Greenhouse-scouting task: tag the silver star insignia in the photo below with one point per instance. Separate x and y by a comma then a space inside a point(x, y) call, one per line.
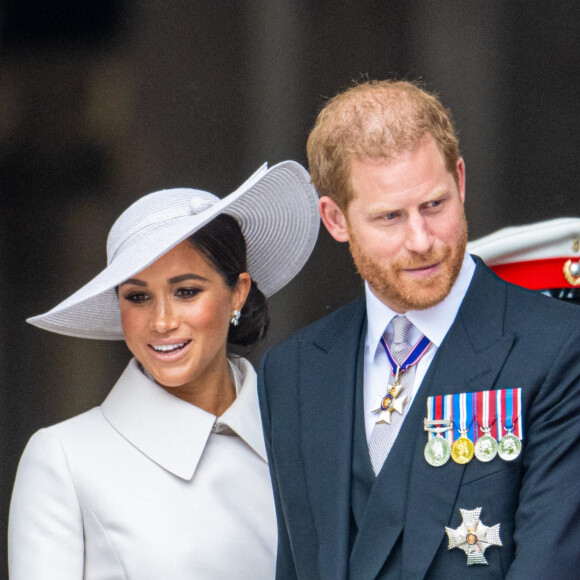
point(396, 405)
point(473, 537)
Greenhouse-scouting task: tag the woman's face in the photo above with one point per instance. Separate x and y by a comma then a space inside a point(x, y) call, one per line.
point(176, 315)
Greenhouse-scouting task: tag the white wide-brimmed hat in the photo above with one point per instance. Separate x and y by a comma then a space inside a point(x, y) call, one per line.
point(277, 212)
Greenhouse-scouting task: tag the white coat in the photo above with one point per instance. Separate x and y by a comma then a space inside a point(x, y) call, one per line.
point(147, 487)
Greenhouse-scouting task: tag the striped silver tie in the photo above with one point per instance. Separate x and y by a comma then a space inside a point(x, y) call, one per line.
point(384, 434)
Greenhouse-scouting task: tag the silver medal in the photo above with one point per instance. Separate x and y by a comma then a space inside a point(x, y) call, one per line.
point(486, 448)
point(437, 451)
point(509, 447)
point(473, 536)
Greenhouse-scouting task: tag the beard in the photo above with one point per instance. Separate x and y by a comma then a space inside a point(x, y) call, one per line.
point(390, 284)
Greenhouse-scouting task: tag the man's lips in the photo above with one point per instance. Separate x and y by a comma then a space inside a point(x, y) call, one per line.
point(422, 271)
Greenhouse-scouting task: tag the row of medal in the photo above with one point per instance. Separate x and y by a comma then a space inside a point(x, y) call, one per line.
point(482, 424)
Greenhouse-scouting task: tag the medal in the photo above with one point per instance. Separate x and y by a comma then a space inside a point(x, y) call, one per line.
point(439, 424)
point(510, 445)
point(473, 537)
point(437, 451)
point(485, 448)
point(491, 419)
point(486, 445)
point(391, 402)
point(462, 449)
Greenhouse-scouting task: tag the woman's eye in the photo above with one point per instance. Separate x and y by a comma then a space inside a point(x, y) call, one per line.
point(187, 292)
point(137, 297)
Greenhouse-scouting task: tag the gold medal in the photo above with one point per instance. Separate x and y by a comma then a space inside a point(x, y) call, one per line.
point(462, 450)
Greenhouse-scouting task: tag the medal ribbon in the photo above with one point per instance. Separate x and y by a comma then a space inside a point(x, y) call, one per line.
point(440, 407)
point(413, 357)
point(487, 409)
point(462, 409)
point(484, 413)
point(509, 405)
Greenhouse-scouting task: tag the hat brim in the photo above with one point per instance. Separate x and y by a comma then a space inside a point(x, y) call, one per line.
point(545, 239)
point(277, 212)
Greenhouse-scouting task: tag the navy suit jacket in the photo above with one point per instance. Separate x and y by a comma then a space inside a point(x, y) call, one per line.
point(503, 337)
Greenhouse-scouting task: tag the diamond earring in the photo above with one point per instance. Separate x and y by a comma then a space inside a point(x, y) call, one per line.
point(235, 318)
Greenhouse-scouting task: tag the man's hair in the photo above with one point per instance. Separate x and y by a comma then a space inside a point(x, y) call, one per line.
point(375, 120)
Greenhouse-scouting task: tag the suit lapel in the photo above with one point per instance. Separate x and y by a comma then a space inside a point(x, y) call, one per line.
point(470, 359)
point(410, 496)
point(332, 369)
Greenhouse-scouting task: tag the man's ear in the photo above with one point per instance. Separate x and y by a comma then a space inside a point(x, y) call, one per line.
point(460, 168)
point(333, 219)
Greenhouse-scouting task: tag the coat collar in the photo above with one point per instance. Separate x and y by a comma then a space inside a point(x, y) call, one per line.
point(243, 416)
point(469, 359)
point(174, 433)
point(333, 363)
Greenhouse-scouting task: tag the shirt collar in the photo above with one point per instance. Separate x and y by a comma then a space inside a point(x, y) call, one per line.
point(433, 322)
point(172, 432)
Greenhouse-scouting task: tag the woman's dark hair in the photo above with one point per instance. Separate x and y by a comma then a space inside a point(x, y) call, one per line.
point(222, 244)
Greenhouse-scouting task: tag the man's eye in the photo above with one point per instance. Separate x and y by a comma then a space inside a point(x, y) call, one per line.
point(391, 215)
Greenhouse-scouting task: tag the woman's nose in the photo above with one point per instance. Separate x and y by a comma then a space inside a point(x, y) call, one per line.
point(163, 317)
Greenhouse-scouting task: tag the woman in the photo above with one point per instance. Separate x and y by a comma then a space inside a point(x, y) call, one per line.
point(168, 478)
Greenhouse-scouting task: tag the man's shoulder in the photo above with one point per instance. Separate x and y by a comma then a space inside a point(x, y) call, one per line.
point(337, 333)
point(524, 307)
point(341, 320)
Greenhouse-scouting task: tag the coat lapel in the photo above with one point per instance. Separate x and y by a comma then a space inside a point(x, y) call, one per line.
point(470, 359)
point(330, 365)
point(410, 496)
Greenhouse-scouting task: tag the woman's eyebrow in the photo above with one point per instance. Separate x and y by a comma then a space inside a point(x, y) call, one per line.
point(183, 277)
point(134, 281)
point(174, 280)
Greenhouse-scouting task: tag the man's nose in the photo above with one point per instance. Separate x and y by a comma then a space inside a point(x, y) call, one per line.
point(418, 237)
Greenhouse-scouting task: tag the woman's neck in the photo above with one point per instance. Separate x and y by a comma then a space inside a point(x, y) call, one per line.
point(214, 392)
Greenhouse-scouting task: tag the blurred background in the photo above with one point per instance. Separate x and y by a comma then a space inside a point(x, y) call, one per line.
point(102, 102)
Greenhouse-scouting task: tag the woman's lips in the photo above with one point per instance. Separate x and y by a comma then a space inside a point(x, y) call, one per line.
point(169, 351)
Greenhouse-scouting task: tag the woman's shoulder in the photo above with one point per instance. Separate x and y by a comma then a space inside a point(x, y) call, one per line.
point(76, 432)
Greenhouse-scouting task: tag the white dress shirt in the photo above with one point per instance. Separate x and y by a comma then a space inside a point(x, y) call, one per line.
point(432, 322)
point(147, 487)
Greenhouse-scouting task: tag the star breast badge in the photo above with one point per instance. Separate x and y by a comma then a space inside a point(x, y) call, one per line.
point(473, 537)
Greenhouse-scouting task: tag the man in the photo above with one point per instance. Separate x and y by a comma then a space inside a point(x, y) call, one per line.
point(439, 350)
